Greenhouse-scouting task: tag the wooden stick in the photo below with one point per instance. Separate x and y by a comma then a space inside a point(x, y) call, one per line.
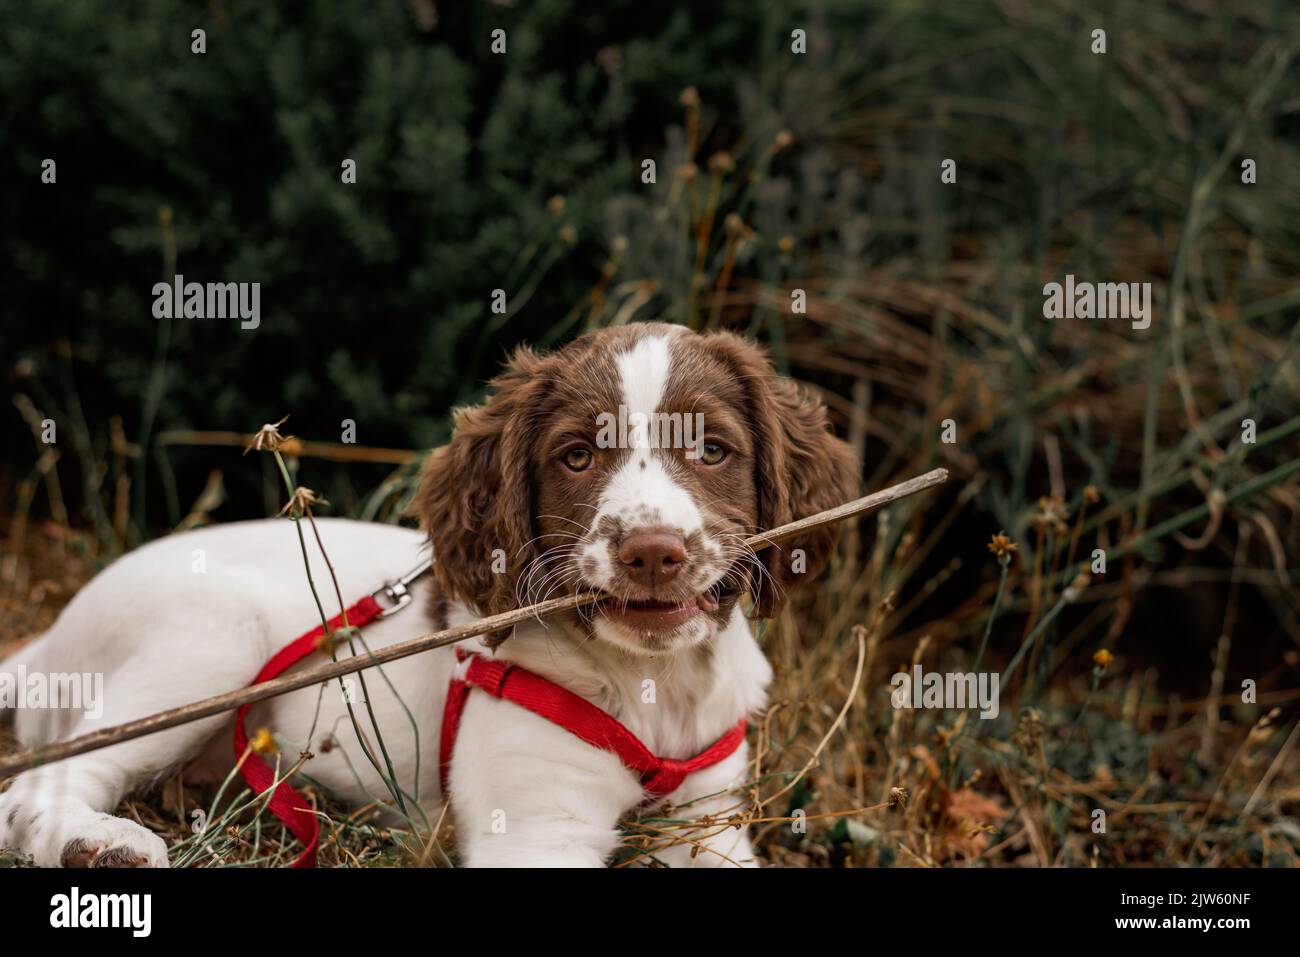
point(232, 700)
point(303, 448)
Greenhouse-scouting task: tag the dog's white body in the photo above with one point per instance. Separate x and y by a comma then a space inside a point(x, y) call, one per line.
point(165, 633)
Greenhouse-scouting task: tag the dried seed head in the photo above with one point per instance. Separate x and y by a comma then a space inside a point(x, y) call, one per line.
point(1091, 494)
point(556, 205)
point(898, 797)
point(268, 438)
point(1075, 587)
point(1051, 512)
point(1102, 658)
point(1003, 547)
point(690, 98)
point(783, 140)
point(569, 235)
point(1272, 715)
point(1029, 731)
point(326, 641)
point(734, 225)
point(785, 244)
point(721, 162)
point(263, 742)
point(688, 171)
point(1258, 735)
point(301, 500)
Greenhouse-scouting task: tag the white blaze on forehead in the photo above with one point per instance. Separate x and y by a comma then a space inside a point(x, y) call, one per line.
point(643, 377)
point(642, 485)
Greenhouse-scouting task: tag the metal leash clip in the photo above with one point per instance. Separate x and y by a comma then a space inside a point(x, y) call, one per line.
point(397, 593)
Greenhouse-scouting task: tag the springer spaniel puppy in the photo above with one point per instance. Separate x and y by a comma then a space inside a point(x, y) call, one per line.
point(534, 497)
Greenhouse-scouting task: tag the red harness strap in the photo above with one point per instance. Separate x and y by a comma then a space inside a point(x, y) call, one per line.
point(659, 776)
point(286, 803)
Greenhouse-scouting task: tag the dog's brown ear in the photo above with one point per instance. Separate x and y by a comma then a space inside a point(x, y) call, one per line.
point(801, 468)
point(475, 495)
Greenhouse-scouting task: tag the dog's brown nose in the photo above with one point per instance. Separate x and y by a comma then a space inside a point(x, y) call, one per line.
point(652, 555)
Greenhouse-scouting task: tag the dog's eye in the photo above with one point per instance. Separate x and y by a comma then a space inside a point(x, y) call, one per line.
point(578, 459)
point(712, 454)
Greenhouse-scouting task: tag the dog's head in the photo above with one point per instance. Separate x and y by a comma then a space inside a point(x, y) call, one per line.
point(633, 463)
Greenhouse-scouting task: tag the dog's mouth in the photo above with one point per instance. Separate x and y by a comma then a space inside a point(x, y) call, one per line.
point(656, 615)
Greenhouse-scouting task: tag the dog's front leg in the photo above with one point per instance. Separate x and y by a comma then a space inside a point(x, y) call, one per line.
point(527, 793)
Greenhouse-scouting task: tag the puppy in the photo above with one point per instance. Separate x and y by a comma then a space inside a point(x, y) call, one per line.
point(630, 465)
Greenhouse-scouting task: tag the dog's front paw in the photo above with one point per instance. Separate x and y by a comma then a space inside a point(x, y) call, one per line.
point(101, 840)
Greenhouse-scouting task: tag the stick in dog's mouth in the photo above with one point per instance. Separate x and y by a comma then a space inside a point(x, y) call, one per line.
point(231, 700)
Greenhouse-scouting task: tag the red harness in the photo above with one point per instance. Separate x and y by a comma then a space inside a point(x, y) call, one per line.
point(501, 679)
point(286, 803)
